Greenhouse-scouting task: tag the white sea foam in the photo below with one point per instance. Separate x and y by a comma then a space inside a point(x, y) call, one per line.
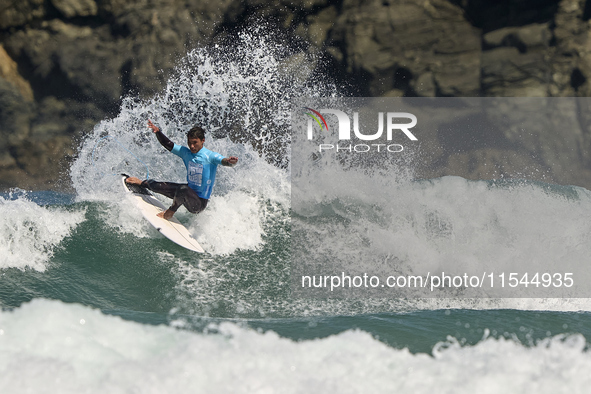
point(48, 346)
point(447, 224)
point(231, 222)
point(30, 234)
point(123, 216)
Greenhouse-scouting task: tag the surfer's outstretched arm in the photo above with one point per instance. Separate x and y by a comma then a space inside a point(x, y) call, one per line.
point(164, 141)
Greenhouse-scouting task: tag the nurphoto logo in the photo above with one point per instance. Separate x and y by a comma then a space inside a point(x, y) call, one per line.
point(393, 126)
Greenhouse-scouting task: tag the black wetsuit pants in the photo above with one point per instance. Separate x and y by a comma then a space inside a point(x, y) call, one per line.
point(180, 193)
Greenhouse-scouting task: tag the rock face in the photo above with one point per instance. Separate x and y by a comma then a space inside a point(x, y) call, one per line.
point(66, 64)
point(409, 47)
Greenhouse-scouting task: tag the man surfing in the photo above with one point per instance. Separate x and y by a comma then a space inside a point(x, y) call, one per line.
point(201, 166)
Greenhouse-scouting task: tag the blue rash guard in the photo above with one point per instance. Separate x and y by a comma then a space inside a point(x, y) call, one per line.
point(201, 168)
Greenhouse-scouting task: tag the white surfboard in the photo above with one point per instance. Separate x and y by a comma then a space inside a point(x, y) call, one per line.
point(150, 206)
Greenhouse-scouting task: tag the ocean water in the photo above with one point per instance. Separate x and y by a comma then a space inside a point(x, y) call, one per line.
point(95, 300)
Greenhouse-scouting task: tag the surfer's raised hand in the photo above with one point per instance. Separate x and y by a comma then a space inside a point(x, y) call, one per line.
point(152, 126)
point(230, 161)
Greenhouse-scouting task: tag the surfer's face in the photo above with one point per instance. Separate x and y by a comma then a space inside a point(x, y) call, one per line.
point(195, 144)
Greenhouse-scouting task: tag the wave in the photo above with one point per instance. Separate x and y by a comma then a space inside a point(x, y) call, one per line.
point(49, 346)
point(31, 233)
point(103, 254)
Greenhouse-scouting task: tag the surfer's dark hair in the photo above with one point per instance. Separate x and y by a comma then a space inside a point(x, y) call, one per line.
point(196, 132)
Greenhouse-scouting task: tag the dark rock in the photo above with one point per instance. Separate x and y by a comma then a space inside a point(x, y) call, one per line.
point(523, 38)
point(491, 15)
point(67, 64)
point(9, 72)
point(421, 48)
point(18, 13)
point(15, 115)
point(72, 8)
point(507, 72)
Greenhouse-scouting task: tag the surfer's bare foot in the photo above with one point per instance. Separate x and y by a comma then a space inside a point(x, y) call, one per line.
point(165, 214)
point(133, 180)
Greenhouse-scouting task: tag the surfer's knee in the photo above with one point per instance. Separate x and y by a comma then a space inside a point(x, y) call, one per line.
point(181, 194)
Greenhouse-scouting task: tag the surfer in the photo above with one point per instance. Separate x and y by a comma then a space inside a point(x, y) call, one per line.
point(201, 166)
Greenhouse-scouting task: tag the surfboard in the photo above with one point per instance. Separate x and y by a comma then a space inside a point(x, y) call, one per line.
point(149, 206)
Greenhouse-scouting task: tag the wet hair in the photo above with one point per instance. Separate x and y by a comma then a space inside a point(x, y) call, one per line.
point(196, 132)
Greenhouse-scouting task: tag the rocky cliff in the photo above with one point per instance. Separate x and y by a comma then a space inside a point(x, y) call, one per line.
point(66, 64)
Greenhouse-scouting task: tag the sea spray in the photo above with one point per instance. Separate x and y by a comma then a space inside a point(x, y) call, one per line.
point(243, 92)
point(242, 95)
